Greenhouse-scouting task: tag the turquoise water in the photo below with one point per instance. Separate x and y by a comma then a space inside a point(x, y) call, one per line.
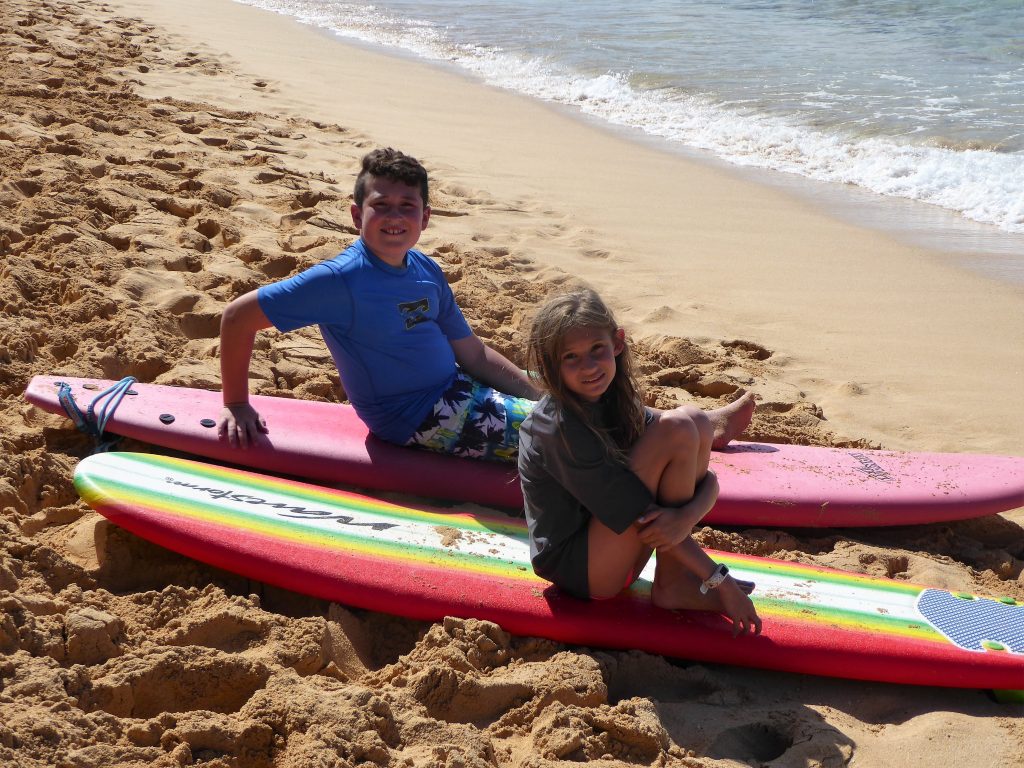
point(915, 100)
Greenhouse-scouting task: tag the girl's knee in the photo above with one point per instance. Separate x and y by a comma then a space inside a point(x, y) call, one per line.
point(690, 427)
point(705, 429)
point(607, 586)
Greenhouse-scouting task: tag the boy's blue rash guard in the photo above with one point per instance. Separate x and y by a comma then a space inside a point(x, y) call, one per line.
point(387, 328)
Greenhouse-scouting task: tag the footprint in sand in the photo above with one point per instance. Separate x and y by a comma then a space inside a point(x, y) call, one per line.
point(748, 348)
point(276, 267)
point(712, 388)
point(217, 232)
point(201, 324)
point(230, 628)
point(183, 209)
point(752, 743)
point(174, 680)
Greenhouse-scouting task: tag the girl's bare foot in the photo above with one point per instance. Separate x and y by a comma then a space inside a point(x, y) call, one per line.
point(730, 598)
point(730, 420)
point(674, 600)
point(736, 605)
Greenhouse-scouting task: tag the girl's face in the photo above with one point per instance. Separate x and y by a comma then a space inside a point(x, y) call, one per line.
point(587, 361)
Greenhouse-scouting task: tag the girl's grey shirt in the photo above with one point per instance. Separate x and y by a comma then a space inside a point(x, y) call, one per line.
point(568, 475)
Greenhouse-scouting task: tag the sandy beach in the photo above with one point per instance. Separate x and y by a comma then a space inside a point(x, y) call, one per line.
point(160, 159)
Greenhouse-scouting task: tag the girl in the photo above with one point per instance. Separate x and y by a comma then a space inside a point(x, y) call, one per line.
point(606, 481)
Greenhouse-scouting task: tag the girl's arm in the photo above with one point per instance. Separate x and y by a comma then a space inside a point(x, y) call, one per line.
point(668, 526)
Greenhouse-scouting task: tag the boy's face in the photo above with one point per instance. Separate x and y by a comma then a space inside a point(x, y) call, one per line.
point(391, 218)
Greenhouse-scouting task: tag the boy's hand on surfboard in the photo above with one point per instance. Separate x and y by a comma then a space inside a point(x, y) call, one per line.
point(739, 608)
point(240, 424)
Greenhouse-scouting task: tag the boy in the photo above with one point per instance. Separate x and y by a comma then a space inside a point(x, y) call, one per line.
point(411, 366)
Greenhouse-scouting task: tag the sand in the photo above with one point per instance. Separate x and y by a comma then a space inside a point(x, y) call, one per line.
point(160, 159)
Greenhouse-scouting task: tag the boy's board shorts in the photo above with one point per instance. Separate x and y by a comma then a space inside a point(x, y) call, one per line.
point(474, 421)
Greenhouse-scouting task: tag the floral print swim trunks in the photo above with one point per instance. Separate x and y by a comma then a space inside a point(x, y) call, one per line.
point(474, 421)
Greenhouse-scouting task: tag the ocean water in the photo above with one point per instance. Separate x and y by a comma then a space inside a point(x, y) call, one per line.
point(909, 100)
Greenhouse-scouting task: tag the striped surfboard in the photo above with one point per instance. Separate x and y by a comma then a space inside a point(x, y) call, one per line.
point(428, 563)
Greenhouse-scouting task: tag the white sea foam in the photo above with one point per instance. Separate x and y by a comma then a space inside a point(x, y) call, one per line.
point(982, 185)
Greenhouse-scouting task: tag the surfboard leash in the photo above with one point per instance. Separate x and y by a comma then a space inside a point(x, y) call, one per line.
point(88, 422)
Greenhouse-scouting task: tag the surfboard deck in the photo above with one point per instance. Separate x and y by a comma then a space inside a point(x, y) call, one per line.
point(426, 564)
point(761, 484)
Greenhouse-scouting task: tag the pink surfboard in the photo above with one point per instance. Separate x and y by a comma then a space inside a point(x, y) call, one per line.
point(762, 484)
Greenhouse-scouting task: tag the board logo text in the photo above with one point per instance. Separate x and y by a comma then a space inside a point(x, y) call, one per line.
point(282, 509)
point(871, 469)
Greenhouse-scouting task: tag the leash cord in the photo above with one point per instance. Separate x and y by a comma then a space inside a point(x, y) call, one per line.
point(105, 403)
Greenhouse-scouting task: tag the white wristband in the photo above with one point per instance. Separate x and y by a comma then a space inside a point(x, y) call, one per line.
point(717, 577)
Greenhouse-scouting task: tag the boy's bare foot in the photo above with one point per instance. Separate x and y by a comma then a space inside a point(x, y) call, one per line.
point(730, 420)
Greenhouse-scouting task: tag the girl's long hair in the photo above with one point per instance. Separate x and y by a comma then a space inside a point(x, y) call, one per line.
point(584, 309)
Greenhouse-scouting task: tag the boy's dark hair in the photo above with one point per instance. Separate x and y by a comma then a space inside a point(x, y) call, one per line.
point(393, 165)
